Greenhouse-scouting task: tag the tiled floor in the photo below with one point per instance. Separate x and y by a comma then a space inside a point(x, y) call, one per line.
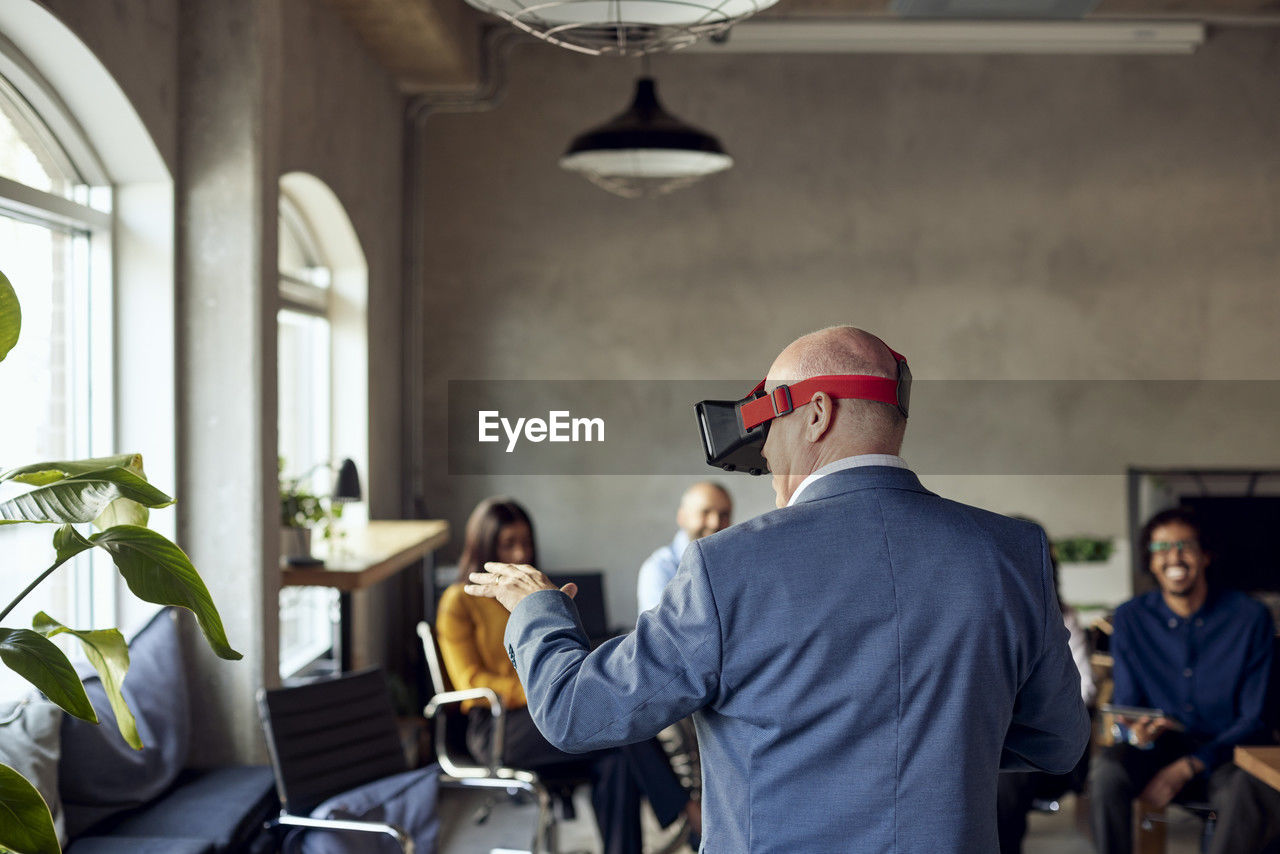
point(510, 826)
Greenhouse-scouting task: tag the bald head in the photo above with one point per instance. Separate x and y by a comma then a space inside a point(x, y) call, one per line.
point(834, 350)
point(829, 429)
point(705, 508)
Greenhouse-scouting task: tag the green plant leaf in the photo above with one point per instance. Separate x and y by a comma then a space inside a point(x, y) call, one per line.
point(39, 474)
point(109, 654)
point(39, 661)
point(25, 822)
point(81, 497)
point(67, 543)
point(122, 511)
point(125, 511)
point(158, 571)
point(1083, 549)
point(10, 316)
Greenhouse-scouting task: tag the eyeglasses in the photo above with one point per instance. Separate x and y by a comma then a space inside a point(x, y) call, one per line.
point(1158, 546)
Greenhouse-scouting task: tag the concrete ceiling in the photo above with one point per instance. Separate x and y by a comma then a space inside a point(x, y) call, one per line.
point(434, 45)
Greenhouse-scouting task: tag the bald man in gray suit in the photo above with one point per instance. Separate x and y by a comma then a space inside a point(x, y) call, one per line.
point(860, 662)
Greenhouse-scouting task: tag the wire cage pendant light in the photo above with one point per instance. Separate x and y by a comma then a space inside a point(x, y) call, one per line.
point(645, 151)
point(622, 27)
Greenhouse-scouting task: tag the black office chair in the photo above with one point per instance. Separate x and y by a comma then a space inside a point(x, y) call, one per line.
point(450, 729)
point(328, 737)
point(1201, 810)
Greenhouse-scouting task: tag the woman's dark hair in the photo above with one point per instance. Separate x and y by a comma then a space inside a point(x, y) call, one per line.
point(1185, 515)
point(483, 527)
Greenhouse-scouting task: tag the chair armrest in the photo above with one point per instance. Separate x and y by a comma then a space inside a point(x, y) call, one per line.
point(401, 838)
point(447, 698)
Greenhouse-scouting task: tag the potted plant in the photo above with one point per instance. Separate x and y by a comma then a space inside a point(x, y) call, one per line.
point(1084, 549)
point(301, 512)
point(95, 503)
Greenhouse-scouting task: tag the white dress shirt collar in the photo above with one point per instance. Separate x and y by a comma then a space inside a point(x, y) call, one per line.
point(847, 463)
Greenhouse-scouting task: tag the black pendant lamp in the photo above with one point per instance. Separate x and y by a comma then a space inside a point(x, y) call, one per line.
point(645, 151)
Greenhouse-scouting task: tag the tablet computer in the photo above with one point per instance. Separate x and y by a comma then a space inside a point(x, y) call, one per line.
point(1139, 712)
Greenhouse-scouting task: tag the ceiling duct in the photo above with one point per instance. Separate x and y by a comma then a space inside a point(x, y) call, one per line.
point(863, 36)
point(1004, 9)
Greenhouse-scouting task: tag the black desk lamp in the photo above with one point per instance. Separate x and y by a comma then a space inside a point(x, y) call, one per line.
point(346, 485)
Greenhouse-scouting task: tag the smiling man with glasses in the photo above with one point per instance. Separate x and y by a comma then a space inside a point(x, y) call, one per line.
point(1202, 656)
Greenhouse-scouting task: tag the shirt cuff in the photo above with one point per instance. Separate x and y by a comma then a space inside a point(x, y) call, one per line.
point(539, 614)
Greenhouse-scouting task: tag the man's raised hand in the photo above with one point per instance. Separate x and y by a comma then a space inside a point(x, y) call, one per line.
point(511, 582)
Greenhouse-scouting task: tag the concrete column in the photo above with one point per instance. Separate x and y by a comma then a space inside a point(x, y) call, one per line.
point(228, 140)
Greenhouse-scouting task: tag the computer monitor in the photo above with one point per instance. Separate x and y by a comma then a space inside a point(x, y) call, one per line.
point(1241, 530)
point(590, 601)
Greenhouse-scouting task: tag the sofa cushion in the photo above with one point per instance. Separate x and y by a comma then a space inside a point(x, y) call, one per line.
point(137, 845)
point(29, 745)
point(407, 800)
point(99, 774)
point(225, 807)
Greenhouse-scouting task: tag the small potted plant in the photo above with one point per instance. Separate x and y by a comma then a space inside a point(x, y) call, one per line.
point(300, 511)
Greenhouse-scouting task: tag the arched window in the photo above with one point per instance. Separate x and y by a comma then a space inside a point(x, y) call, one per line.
point(55, 245)
point(322, 353)
point(304, 346)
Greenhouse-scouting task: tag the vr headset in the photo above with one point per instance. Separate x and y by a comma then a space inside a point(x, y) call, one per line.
point(733, 431)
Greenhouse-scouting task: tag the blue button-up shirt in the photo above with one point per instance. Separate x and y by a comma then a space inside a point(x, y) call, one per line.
point(1209, 671)
point(658, 570)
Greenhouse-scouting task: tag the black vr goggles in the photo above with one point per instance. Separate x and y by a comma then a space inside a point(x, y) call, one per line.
point(733, 431)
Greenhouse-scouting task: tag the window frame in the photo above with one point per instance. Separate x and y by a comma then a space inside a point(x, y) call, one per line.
point(301, 294)
point(87, 219)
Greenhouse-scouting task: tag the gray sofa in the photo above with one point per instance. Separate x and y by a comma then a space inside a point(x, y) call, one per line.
point(116, 800)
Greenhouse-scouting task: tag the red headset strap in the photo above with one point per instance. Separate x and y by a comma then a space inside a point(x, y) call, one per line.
point(785, 398)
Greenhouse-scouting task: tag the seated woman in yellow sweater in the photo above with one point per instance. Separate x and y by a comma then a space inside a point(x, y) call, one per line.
point(470, 632)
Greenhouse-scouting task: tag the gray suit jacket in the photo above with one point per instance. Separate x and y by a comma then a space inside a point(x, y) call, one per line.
point(860, 665)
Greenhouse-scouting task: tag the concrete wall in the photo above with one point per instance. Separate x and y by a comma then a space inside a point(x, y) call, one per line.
point(138, 44)
point(1001, 217)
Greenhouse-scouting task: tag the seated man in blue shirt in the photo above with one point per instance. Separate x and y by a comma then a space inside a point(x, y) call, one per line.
point(1201, 655)
point(705, 509)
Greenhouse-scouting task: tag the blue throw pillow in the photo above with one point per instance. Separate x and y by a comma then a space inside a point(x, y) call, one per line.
point(406, 800)
point(99, 774)
point(29, 745)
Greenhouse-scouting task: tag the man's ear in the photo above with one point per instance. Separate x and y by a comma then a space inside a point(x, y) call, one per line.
point(821, 416)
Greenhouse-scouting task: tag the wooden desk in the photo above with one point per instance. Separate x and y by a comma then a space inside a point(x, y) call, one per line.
point(1261, 762)
point(368, 554)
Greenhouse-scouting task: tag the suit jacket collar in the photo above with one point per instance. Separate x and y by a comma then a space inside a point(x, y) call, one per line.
point(862, 477)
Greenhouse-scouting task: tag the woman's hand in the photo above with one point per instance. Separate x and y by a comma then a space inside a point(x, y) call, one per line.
point(509, 583)
point(1166, 784)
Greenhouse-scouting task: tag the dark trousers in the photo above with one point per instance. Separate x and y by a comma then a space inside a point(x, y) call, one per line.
point(1248, 809)
point(620, 777)
point(1016, 790)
